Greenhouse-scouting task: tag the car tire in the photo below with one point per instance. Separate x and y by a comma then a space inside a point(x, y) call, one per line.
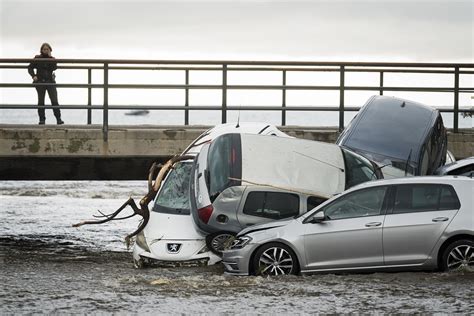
point(458, 255)
point(275, 259)
point(217, 242)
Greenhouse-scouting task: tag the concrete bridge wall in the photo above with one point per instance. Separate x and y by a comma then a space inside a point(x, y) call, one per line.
point(79, 152)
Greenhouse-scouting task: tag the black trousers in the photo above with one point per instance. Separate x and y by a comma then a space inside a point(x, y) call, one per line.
point(53, 96)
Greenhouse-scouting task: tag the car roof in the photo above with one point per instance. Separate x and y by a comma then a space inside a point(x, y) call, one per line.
point(414, 180)
point(391, 127)
point(236, 127)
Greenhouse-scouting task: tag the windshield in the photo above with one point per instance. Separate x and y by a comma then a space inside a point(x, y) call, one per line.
point(174, 195)
point(358, 168)
point(223, 162)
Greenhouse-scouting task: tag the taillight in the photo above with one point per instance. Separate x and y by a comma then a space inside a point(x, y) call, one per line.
point(205, 213)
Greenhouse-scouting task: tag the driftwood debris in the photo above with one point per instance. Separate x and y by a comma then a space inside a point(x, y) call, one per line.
point(142, 209)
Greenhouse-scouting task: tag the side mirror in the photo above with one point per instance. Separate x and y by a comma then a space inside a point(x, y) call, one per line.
point(317, 218)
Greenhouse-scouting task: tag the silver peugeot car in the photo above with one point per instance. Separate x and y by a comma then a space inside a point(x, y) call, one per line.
point(413, 223)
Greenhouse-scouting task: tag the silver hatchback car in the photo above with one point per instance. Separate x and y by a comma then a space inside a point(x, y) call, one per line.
point(413, 223)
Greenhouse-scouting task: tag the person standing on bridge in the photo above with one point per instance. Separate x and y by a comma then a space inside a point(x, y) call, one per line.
point(45, 75)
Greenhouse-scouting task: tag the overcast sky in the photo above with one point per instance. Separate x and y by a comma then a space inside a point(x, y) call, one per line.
point(353, 30)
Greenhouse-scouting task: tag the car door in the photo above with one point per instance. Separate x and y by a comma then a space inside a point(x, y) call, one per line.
point(420, 214)
point(350, 236)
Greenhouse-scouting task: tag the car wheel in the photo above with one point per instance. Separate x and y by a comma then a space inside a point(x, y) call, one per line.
point(275, 259)
point(459, 255)
point(217, 242)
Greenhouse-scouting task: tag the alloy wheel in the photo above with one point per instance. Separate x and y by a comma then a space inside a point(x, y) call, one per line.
point(275, 261)
point(220, 241)
point(460, 257)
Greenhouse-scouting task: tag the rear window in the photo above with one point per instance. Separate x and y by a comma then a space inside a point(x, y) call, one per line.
point(273, 205)
point(224, 164)
point(425, 198)
point(174, 194)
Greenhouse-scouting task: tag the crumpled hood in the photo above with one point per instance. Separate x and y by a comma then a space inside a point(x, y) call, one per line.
point(265, 226)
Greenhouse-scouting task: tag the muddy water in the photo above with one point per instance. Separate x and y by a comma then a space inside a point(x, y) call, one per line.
point(48, 267)
point(40, 276)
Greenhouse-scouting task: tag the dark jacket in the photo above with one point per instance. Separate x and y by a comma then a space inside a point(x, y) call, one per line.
point(44, 70)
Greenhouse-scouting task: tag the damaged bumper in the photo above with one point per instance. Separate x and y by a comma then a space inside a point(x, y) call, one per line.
point(237, 261)
point(174, 253)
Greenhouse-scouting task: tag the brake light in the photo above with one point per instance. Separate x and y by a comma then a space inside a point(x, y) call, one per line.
point(205, 213)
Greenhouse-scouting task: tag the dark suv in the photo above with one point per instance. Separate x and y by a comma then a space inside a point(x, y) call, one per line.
point(392, 131)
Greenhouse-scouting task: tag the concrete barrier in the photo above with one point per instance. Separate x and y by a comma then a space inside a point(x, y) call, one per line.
point(31, 148)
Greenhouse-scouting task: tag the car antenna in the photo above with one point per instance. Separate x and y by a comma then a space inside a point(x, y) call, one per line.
point(406, 164)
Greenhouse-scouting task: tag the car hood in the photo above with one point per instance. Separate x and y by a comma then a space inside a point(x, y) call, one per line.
point(169, 226)
point(260, 227)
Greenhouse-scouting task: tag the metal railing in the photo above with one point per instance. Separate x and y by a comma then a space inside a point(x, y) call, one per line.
point(226, 67)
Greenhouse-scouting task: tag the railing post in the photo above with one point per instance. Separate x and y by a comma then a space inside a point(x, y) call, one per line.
point(283, 100)
point(224, 93)
point(105, 126)
point(456, 99)
point(381, 83)
point(89, 96)
point(186, 98)
point(341, 99)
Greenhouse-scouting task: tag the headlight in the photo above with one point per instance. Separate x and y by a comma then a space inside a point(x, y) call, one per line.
point(141, 241)
point(240, 242)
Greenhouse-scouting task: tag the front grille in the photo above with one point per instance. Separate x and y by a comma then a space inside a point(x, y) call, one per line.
point(188, 263)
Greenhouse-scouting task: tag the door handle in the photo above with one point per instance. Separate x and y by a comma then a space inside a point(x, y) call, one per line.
point(373, 224)
point(440, 219)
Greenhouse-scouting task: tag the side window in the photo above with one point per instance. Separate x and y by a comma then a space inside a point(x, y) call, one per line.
point(424, 198)
point(314, 201)
point(367, 202)
point(273, 205)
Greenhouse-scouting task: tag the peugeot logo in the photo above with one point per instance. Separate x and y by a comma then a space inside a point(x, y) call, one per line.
point(173, 248)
